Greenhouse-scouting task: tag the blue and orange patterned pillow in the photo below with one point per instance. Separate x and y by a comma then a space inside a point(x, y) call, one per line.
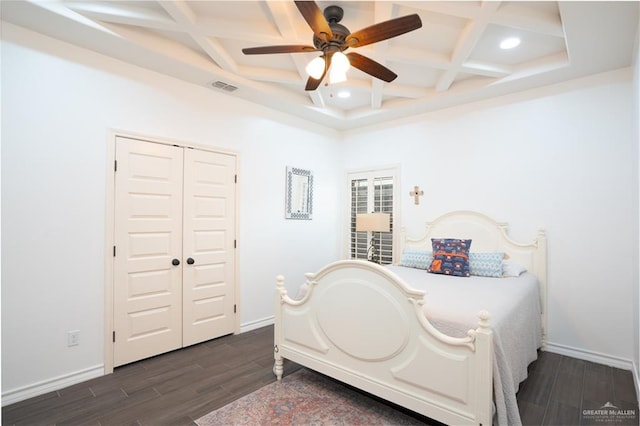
point(450, 257)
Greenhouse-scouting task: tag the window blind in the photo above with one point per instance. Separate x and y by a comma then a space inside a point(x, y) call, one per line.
point(371, 194)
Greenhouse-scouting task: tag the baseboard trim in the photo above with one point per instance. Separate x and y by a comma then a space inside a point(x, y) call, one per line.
point(60, 382)
point(252, 325)
point(598, 358)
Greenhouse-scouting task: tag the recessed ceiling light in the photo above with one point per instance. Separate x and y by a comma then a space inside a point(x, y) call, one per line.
point(509, 43)
point(344, 94)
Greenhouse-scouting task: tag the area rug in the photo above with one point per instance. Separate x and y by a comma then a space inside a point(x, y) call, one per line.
point(306, 398)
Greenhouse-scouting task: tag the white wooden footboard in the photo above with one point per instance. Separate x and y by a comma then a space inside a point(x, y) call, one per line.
point(361, 324)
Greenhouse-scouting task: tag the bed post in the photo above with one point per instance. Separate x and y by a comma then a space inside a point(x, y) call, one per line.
point(541, 273)
point(281, 292)
point(484, 350)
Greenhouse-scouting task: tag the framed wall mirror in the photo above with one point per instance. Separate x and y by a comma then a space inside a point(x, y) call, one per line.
point(299, 194)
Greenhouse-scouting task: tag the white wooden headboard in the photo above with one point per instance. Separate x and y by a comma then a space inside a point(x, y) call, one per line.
point(487, 235)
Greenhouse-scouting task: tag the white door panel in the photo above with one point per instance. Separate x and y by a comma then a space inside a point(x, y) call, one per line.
point(148, 236)
point(209, 229)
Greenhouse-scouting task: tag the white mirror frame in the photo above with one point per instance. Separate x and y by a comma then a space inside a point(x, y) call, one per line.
point(299, 194)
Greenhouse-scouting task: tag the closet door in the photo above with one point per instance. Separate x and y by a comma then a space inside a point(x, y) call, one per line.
point(148, 250)
point(208, 246)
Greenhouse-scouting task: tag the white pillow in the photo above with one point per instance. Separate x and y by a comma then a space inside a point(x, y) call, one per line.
point(512, 269)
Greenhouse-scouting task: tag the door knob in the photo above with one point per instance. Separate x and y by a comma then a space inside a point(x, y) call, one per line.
point(190, 261)
point(175, 262)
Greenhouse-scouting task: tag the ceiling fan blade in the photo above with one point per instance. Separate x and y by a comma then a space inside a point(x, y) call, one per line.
point(315, 18)
point(292, 48)
point(312, 83)
point(371, 67)
point(384, 30)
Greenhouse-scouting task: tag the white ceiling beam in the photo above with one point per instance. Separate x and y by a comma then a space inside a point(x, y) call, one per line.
point(261, 33)
point(269, 74)
point(281, 12)
point(179, 53)
point(382, 11)
point(523, 17)
point(538, 66)
point(466, 10)
point(466, 42)
point(419, 57)
point(486, 69)
point(317, 98)
point(180, 12)
point(516, 15)
point(403, 91)
point(185, 17)
point(377, 87)
point(117, 13)
point(59, 8)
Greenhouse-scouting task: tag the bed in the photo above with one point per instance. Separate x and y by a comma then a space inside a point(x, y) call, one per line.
point(454, 358)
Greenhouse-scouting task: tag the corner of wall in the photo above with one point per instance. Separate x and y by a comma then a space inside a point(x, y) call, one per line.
point(636, 107)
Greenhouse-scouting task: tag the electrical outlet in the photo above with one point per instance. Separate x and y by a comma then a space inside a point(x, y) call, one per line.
point(73, 338)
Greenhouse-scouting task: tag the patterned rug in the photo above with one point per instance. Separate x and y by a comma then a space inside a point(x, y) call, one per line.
point(306, 398)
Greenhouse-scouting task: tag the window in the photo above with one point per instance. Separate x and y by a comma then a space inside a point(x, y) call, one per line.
point(371, 192)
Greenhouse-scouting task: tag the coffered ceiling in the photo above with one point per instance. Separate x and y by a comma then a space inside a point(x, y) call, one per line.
point(454, 58)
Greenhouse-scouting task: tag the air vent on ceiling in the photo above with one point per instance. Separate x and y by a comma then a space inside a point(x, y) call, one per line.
point(223, 86)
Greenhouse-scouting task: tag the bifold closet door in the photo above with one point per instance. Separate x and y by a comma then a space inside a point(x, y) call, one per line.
point(148, 250)
point(174, 266)
point(208, 245)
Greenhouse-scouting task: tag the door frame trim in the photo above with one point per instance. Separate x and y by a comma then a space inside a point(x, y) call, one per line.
point(112, 135)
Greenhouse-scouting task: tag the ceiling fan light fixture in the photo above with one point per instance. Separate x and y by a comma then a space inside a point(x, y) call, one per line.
point(315, 68)
point(331, 38)
point(340, 62)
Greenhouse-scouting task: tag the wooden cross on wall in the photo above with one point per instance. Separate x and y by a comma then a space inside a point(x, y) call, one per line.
point(416, 193)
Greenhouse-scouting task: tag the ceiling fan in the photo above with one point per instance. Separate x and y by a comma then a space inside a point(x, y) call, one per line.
point(332, 38)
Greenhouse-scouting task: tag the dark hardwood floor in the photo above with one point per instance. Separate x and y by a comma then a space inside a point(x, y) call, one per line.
point(181, 386)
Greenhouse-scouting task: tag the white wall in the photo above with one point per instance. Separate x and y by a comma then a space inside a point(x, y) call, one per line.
point(58, 104)
point(562, 161)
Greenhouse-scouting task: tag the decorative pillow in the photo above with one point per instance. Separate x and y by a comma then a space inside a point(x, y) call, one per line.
point(486, 264)
point(512, 269)
point(450, 257)
point(416, 258)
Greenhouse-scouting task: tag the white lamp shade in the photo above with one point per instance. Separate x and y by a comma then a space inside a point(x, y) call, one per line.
point(315, 68)
point(340, 62)
point(373, 222)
